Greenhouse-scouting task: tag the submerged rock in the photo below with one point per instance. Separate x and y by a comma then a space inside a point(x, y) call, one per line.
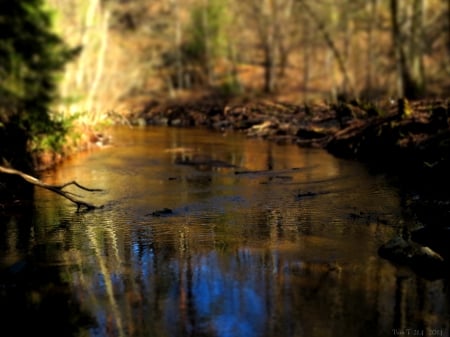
point(301, 195)
point(437, 238)
point(422, 259)
point(161, 212)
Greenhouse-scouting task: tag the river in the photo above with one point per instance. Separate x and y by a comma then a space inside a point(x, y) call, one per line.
point(208, 234)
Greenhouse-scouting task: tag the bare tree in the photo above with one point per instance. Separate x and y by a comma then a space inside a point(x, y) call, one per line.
point(271, 20)
point(409, 84)
point(372, 12)
point(141, 46)
point(416, 43)
point(307, 50)
point(448, 26)
point(330, 42)
point(264, 17)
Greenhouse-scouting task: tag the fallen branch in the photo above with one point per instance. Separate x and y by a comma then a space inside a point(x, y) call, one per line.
point(55, 188)
point(274, 172)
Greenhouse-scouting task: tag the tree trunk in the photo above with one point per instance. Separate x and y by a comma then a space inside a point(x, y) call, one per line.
point(100, 62)
point(178, 45)
point(87, 28)
point(331, 45)
point(448, 27)
point(269, 45)
point(373, 9)
point(416, 45)
point(406, 85)
point(307, 46)
point(269, 76)
point(207, 43)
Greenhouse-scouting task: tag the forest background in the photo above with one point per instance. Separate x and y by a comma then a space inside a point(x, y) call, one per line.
point(295, 50)
point(121, 54)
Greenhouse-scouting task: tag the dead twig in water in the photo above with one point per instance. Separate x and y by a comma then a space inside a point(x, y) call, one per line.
point(275, 172)
point(58, 189)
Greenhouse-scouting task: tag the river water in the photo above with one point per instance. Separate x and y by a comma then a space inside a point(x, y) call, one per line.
point(204, 234)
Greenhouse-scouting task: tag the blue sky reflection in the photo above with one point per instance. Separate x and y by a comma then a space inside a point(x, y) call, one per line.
point(219, 303)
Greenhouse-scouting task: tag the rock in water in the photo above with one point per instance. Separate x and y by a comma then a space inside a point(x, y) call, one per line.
point(423, 260)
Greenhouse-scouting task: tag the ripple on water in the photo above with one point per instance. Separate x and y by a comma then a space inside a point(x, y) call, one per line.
point(300, 245)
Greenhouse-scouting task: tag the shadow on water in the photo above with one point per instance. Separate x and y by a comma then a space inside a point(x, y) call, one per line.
point(289, 249)
point(35, 296)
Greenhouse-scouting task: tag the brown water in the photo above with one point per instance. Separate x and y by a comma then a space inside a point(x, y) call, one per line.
point(290, 250)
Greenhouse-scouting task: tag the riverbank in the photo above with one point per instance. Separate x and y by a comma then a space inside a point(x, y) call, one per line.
point(407, 141)
point(409, 138)
point(15, 192)
point(79, 139)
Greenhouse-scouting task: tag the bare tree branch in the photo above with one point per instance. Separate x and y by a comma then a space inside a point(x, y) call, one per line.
point(58, 189)
point(330, 42)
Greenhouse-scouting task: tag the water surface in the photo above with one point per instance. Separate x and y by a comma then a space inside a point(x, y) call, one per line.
point(260, 240)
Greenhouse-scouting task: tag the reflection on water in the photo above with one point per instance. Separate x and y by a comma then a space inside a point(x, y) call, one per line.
point(287, 247)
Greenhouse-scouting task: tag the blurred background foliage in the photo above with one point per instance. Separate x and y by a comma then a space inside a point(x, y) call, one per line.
point(129, 52)
point(296, 50)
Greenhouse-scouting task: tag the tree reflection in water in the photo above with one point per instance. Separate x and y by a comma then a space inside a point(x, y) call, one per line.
point(35, 297)
point(176, 289)
point(240, 255)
